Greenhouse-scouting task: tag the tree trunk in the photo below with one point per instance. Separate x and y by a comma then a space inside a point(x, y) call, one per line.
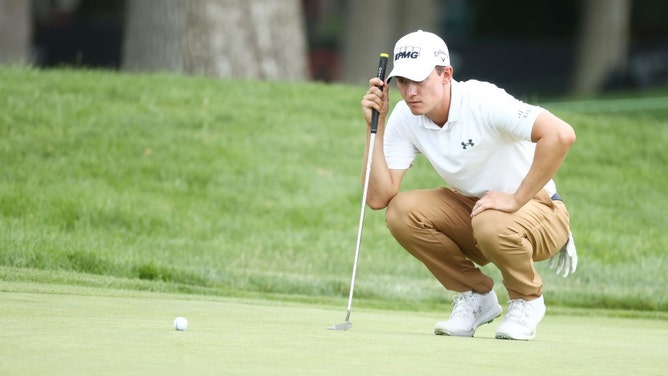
point(373, 26)
point(15, 25)
point(603, 43)
point(252, 39)
point(154, 33)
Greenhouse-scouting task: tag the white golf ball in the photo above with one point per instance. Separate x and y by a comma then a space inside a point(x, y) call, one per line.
point(180, 323)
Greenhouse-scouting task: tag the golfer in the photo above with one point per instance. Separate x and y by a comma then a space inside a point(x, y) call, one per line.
point(497, 156)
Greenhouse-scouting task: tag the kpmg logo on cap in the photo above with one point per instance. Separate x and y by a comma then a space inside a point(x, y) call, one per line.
point(407, 53)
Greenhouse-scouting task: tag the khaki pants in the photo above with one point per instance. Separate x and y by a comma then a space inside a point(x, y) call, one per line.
point(436, 227)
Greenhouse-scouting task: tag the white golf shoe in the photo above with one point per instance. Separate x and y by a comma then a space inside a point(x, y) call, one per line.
point(522, 319)
point(469, 312)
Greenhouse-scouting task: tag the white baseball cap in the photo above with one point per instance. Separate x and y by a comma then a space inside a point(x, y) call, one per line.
point(416, 54)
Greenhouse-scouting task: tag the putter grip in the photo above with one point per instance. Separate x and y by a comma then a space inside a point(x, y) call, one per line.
point(382, 65)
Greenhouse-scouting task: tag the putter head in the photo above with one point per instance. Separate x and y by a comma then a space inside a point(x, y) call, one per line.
point(342, 326)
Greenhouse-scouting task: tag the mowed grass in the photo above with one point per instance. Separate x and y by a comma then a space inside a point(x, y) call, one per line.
point(60, 329)
point(243, 188)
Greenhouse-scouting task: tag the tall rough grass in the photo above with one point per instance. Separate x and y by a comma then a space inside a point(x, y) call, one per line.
point(237, 187)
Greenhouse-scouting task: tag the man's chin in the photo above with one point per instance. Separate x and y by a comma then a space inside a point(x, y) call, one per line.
point(417, 111)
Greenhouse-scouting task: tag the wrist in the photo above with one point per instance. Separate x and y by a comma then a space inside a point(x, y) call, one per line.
point(520, 199)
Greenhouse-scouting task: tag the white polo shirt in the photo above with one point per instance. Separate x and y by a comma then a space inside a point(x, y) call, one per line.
point(485, 145)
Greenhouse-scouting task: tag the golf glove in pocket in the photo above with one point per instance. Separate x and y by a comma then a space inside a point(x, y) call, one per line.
point(566, 261)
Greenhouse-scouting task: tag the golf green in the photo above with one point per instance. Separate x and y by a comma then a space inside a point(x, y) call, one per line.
point(52, 329)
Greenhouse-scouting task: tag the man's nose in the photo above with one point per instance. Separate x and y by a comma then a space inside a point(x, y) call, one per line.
point(411, 89)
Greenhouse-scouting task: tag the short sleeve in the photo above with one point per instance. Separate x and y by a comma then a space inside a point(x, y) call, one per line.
point(509, 115)
point(400, 150)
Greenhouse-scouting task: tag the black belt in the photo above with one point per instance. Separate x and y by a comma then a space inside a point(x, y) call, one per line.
point(556, 197)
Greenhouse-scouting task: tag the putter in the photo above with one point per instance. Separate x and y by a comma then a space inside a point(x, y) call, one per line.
point(382, 64)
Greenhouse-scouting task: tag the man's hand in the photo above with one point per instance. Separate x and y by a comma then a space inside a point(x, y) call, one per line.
point(566, 260)
point(498, 201)
point(376, 99)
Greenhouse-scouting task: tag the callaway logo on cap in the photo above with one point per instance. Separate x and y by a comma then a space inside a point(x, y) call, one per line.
point(416, 54)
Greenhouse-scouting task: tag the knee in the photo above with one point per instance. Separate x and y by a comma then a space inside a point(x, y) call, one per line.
point(399, 212)
point(396, 210)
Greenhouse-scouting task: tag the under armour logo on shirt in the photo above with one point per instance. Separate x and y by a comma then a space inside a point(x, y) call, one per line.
point(465, 144)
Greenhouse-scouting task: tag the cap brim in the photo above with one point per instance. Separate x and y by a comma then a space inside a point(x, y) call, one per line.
point(411, 74)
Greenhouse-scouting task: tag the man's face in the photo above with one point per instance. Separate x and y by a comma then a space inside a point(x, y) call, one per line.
point(422, 97)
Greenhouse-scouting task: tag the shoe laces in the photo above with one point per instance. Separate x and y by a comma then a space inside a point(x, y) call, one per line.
point(517, 311)
point(462, 306)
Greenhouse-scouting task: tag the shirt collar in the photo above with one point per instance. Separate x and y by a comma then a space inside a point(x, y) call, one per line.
point(455, 102)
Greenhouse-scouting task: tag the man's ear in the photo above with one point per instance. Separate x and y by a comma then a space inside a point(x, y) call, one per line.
point(447, 74)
